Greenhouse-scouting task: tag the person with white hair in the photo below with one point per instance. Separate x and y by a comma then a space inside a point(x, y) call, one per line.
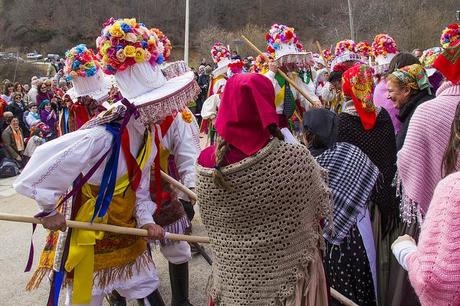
point(32, 93)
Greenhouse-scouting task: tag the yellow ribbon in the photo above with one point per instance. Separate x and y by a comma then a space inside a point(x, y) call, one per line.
point(82, 242)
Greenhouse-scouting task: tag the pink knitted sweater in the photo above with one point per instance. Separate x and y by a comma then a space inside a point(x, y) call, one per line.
point(434, 269)
point(419, 160)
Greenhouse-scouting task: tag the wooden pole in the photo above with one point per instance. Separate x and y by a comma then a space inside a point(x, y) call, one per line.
point(321, 53)
point(105, 228)
point(341, 298)
point(284, 75)
point(179, 186)
point(140, 232)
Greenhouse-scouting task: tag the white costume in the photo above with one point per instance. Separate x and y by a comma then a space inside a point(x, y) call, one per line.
point(297, 95)
point(56, 164)
point(182, 141)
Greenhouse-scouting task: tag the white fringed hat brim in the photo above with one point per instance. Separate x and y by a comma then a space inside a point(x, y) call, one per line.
point(172, 96)
point(300, 59)
point(222, 67)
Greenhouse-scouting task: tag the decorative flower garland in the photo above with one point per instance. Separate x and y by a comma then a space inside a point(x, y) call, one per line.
point(80, 62)
point(429, 56)
point(384, 44)
point(125, 42)
point(280, 34)
point(450, 36)
point(327, 54)
point(236, 66)
point(363, 48)
point(166, 43)
point(219, 52)
point(345, 45)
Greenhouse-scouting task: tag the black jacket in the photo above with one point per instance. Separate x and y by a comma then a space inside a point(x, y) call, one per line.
point(406, 112)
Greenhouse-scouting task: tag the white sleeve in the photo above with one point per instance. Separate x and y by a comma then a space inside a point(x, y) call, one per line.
point(288, 137)
point(145, 207)
point(327, 94)
point(308, 90)
point(180, 142)
point(209, 108)
point(401, 250)
point(31, 120)
point(56, 164)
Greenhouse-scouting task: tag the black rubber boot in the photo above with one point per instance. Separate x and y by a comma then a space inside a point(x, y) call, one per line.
point(178, 275)
point(154, 299)
point(115, 299)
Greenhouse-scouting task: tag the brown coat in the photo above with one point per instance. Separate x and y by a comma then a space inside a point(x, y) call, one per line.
point(9, 144)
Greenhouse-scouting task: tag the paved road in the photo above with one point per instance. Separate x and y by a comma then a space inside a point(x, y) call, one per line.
point(14, 247)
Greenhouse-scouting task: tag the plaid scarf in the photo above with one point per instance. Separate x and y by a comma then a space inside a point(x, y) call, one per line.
point(105, 117)
point(352, 177)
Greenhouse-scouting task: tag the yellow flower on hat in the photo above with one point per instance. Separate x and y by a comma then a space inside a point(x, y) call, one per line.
point(131, 21)
point(129, 51)
point(139, 55)
point(152, 42)
point(116, 31)
point(105, 47)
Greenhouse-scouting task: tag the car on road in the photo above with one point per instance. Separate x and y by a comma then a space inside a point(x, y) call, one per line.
point(34, 56)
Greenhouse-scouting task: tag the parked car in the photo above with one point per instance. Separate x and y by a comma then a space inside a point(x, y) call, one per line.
point(34, 56)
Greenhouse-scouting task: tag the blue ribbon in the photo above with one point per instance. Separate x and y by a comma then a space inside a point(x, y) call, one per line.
point(109, 178)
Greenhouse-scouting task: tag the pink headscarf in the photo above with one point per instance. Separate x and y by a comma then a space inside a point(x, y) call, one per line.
point(246, 111)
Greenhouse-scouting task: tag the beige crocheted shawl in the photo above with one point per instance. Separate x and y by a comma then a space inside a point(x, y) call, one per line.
point(265, 232)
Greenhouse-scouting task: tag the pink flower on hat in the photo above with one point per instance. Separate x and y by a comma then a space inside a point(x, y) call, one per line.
point(345, 45)
point(384, 44)
point(219, 52)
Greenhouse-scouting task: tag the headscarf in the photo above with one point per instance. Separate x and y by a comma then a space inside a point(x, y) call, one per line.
point(44, 103)
point(448, 62)
point(246, 111)
point(352, 176)
point(358, 83)
point(322, 123)
point(414, 76)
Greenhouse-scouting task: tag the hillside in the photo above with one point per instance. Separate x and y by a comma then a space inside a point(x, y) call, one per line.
point(56, 25)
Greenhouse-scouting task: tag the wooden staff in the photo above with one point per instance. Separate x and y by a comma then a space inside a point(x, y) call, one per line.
point(321, 53)
point(179, 186)
point(140, 232)
point(341, 298)
point(106, 228)
point(284, 75)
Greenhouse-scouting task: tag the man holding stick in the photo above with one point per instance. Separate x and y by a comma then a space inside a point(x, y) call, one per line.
point(109, 161)
point(289, 57)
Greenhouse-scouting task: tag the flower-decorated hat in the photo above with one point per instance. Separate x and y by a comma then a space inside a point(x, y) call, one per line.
point(318, 59)
point(133, 54)
point(364, 49)
point(428, 57)
point(448, 62)
point(166, 43)
point(260, 63)
point(221, 56)
point(82, 68)
point(345, 51)
point(283, 44)
point(384, 48)
point(327, 54)
point(345, 46)
point(235, 67)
